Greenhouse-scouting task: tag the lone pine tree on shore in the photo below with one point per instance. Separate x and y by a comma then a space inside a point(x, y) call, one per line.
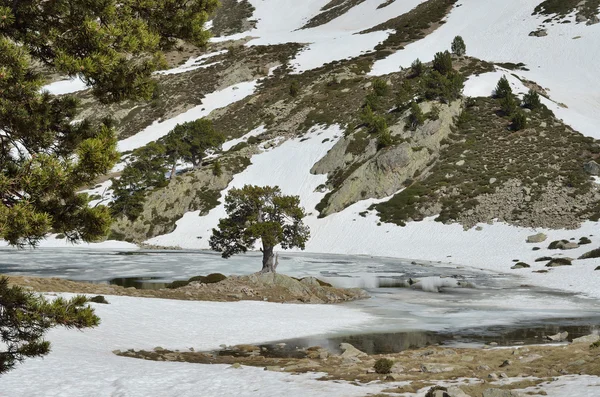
point(264, 214)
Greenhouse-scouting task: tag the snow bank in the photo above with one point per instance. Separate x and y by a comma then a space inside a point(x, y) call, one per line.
point(564, 62)
point(215, 100)
point(81, 363)
point(287, 166)
point(193, 64)
point(63, 87)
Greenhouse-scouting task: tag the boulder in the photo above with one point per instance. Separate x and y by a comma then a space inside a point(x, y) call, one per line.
point(560, 337)
point(520, 265)
point(454, 391)
point(592, 168)
point(559, 262)
point(351, 351)
point(537, 238)
point(236, 366)
point(530, 358)
point(588, 339)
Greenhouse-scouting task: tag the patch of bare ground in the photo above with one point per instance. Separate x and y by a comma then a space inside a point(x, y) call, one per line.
point(258, 287)
point(518, 368)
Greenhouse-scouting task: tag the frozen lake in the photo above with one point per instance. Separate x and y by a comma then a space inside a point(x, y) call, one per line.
point(491, 305)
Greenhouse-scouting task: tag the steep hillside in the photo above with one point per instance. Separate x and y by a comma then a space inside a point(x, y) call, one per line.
point(319, 98)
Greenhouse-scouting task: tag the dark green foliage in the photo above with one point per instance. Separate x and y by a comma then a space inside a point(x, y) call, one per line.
point(444, 87)
point(502, 88)
point(216, 168)
point(191, 141)
point(373, 102)
point(380, 87)
point(114, 46)
point(531, 100)
point(25, 317)
point(416, 116)
point(146, 169)
point(595, 253)
point(416, 68)
point(404, 95)
point(383, 366)
point(509, 104)
point(519, 121)
point(434, 113)
point(99, 299)
point(442, 62)
point(294, 88)
point(458, 46)
point(374, 123)
point(358, 144)
point(260, 213)
point(384, 139)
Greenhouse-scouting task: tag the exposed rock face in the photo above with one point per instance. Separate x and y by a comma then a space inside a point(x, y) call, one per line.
point(588, 339)
point(382, 173)
point(592, 168)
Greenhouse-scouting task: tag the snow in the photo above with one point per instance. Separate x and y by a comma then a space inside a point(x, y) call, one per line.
point(212, 101)
point(281, 22)
point(81, 363)
point(103, 190)
point(498, 31)
point(571, 385)
point(63, 87)
point(193, 64)
point(287, 166)
point(255, 132)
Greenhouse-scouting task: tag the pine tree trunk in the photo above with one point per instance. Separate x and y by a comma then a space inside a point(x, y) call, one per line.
point(269, 263)
point(173, 170)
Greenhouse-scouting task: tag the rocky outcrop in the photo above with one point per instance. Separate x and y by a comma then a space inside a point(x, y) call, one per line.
point(378, 174)
point(537, 238)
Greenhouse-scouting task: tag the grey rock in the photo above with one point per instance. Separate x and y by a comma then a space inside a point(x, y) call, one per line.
point(454, 391)
point(351, 351)
point(520, 265)
point(506, 363)
point(592, 168)
point(531, 358)
point(588, 339)
point(274, 368)
point(394, 377)
point(539, 33)
point(576, 363)
point(537, 238)
point(236, 366)
point(397, 369)
point(561, 336)
point(493, 376)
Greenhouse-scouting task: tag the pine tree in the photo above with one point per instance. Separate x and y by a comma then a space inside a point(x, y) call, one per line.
point(260, 213)
point(502, 88)
point(519, 121)
point(442, 62)
point(531, 100)
point(416, 68)
point(416, 116)
point(25, 317)
point(509, 104)
point(458, 46)
point(384, 139)
point(380, 87)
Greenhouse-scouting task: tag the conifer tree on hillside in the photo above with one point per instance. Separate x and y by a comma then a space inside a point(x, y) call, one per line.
point(531, 100)
point(458, 46)
point(502, 88)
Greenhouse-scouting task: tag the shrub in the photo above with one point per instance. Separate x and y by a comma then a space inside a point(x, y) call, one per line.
point(380, 87)
point(519, 121)
point(416, 116)
point(384, 139)
point(294, 88)
point(383, 366)
point(502, 88)
point(442, 62)
point(416, 68)
point(434, 113)
point(508, 104)
point(458, 46)
point(216, 168)
point(531, 100)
